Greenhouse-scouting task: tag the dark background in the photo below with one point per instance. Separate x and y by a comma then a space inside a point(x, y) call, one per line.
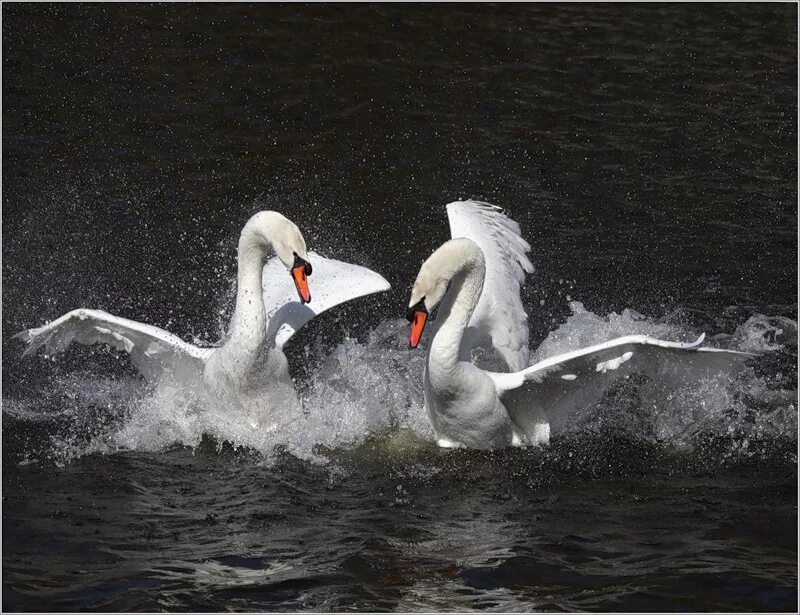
point(649, 153)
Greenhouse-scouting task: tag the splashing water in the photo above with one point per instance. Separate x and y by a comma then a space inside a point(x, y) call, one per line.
point(746, 403)
point(371, 389)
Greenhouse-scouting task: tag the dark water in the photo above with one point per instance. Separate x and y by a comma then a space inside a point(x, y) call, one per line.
point(649, 154)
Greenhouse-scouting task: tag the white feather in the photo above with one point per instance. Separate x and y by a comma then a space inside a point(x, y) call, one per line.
point(472, 407)
point(541, 394)
point(499, 316)
point(249, 373)
point(152, 350)
point(333, 282)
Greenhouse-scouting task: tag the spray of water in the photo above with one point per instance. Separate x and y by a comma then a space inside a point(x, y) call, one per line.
point(363, 390)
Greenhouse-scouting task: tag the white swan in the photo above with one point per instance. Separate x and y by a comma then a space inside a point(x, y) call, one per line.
point(248, 372)
point(477, 277)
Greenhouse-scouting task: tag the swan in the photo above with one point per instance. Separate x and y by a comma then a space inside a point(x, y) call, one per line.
point(475, 279)
point(248, 372)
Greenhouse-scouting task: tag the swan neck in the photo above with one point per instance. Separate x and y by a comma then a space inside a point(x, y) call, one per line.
point(468, 294)
point(466, 288)
point(249, 317)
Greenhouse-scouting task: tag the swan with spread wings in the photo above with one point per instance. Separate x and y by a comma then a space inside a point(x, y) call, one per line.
point(475, 281)
point(248, 372)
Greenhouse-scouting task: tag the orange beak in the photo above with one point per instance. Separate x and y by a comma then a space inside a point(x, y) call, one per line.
point(417, 316)
point(300, 272)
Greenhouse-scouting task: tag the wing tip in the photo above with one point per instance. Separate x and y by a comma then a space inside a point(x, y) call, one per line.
point(30, 338)
point(32, 344)
point(383, 287)
point(702, 338)
point(25, 335)
point(740, 353)
point(384, 283)
point(381, 284)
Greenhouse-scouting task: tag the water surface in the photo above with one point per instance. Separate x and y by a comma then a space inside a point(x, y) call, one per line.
point(649, 154)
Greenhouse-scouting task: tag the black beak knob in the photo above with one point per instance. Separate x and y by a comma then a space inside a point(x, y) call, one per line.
point(419, 306)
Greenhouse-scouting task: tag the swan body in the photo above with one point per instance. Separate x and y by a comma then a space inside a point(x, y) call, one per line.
point(475, 279)
point(249, 372)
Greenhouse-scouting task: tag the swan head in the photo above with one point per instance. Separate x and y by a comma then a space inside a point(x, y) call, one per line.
point(270, 229)
point(433, 280)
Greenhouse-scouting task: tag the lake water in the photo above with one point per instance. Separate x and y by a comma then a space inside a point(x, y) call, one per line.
point(649, 155)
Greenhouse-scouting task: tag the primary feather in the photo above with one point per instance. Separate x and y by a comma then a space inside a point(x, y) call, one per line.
point(499, 317)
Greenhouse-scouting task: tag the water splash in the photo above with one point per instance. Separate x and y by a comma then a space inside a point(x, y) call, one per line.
point(362, 391)
point(755, 401)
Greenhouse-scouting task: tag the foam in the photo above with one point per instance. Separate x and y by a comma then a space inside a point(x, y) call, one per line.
point(366, 390)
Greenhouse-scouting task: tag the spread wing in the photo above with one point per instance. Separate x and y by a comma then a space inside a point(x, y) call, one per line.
point(332, 282)
point(152, 350)
point(545, 395)
point(499, 319)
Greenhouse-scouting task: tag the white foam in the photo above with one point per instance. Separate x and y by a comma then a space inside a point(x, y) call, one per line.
point(361, 390)
point(681, 406)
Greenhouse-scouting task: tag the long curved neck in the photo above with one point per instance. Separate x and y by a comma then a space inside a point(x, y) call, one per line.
point(465, 290)
point(248, 325)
